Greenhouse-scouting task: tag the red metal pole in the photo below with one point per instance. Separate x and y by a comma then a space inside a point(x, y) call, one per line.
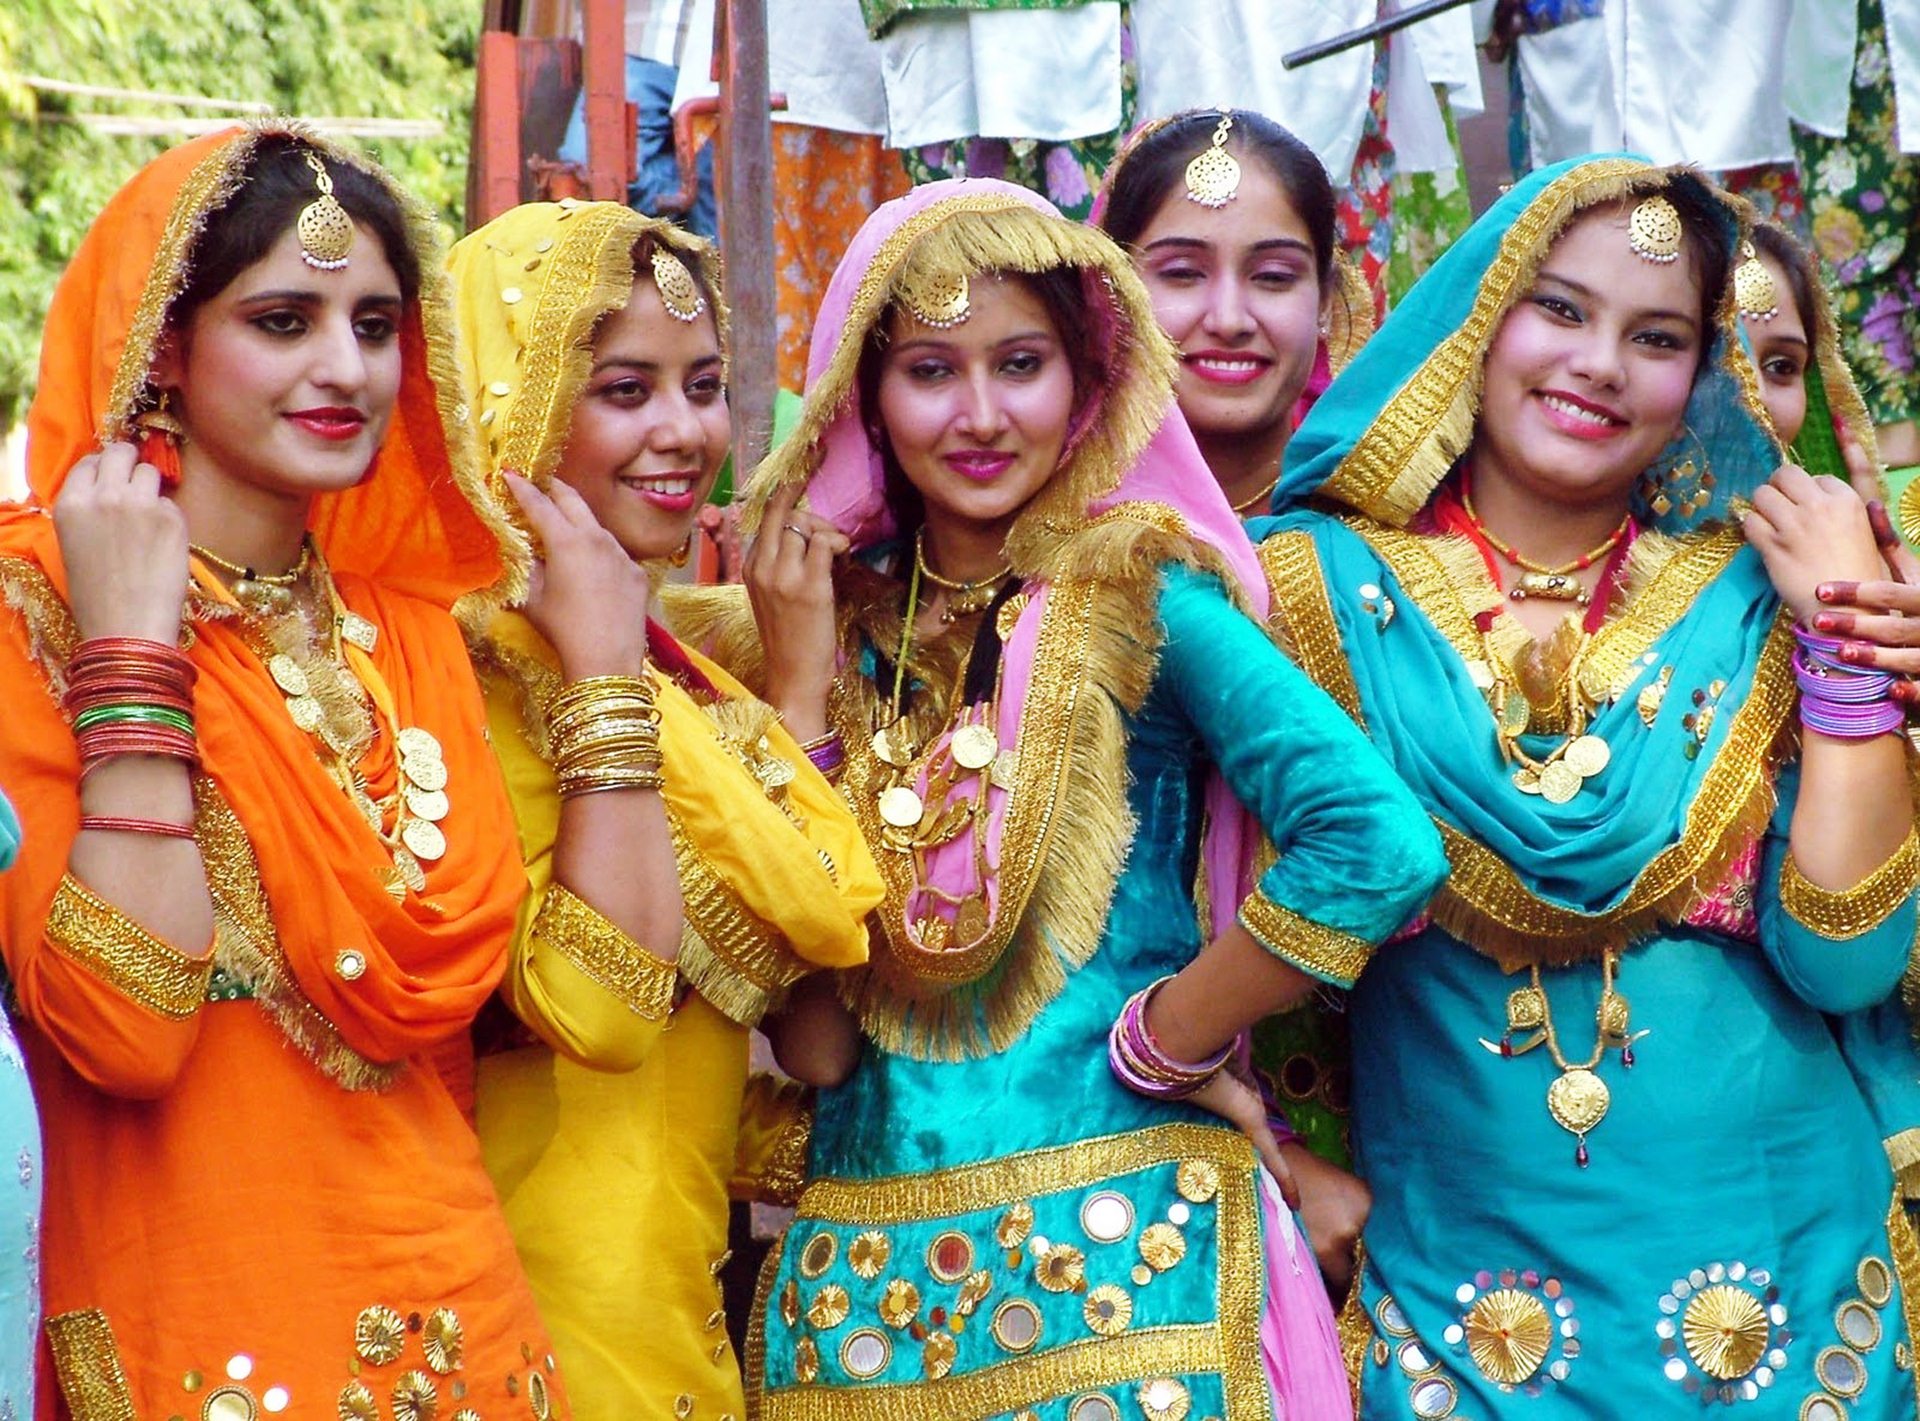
point(497, 125)
point(746, 228)
point(604, 76)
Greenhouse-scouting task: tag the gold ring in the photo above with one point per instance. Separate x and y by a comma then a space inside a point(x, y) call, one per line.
point(794, 528)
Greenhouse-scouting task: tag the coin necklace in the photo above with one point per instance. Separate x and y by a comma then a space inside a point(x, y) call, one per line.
point(1578, 1100)
point(419, 799)
point(1557, 584)
point(1564, 772)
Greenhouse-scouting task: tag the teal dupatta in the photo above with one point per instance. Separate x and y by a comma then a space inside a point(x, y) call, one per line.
point(1689, 682)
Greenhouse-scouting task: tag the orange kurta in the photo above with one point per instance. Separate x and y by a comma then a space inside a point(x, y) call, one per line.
point(260, 1198)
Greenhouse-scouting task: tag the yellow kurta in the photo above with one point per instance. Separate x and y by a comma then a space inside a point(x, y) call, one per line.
point(614, 1140)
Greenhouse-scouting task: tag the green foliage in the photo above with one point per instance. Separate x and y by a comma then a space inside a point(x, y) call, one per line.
point(315, 58)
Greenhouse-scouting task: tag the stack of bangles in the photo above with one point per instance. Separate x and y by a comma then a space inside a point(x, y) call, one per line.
point(605, 735)
point(1142, 1066)
point(131, 696)
point(828, 753)
point(1839, 700)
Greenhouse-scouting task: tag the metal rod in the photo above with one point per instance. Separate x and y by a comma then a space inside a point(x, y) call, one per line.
point(1366, 34)
point(746, 228)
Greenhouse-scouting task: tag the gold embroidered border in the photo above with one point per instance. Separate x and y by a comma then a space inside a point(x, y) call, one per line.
point(741, 965)
point(784, 1177)
point(1230, 1347)
point(1485, 904)
point(1851, 912)
point(92, 932)
point(1904, 1245)
point(1302, 619)
point(1354, 1325)
point(1313, 947)
point(87, 1362)
point(583, 936)
point(1424, 428)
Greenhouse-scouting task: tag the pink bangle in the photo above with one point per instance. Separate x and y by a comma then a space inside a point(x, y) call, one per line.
point(1139, 1063)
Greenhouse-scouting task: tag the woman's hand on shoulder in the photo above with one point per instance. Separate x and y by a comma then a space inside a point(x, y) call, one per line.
point(124, 544)
point(1879, 618)
point(1811, 530)
point(789, 578)
point(586, 597)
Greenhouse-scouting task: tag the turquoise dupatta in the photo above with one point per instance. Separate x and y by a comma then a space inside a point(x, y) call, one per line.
point(1688, 683)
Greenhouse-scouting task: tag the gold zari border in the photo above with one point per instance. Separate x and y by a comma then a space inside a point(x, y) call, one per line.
point(1302, 620)
point(582, 936)
point(87, 1363)
point(1312, 947)
point(1903, 1153)
point(1904, 1246)
point(784, 1176)
point(90, 931)
point(1851, 912)
point(1230, 1347)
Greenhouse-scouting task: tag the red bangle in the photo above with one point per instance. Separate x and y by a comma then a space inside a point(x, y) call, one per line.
point(119, 824)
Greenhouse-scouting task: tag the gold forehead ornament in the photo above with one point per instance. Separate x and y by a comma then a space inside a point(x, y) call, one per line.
point(1754, 290)
point(678, 291)
point(1213, 177)
point(324, 228)
point(935, 298)
point(1654, 230)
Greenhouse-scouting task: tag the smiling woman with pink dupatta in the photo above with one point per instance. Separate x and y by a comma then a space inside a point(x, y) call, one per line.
point(1014, 604)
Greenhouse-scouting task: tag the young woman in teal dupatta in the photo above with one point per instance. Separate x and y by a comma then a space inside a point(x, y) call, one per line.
point(1620, 1164)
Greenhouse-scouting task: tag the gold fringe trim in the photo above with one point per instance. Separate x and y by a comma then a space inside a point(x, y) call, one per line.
point(91, 932)
point(717, 621)
point(1313, 947)
point(969, 235)
point(1355, 1325)
point(1302, 623)
point(1350, 320)
point(1849, 913)
point(87, 1362)
point(1903, 1153)
point(1229, 1348)
point(246, 946)
point(585, 938)
point(1421, 432)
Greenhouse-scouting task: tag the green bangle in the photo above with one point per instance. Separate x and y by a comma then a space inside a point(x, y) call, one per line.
point(133, 714)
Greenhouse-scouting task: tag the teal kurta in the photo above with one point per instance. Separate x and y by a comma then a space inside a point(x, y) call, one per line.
point(1020, 1217)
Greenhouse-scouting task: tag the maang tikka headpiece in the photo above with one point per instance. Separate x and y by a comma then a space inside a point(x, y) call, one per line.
point(1754, 290)
point(678, 291)
point(1654, 230)
point(939, 299)
point(1213, 177)
point(325, 230)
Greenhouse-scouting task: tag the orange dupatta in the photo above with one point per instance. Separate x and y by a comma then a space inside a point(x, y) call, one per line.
point(417, 534)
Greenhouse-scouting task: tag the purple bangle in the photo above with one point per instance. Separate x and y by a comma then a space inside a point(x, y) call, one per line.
point(1846, 721)
point(1138, 1062)
point(1845, 685)
point(828, 753)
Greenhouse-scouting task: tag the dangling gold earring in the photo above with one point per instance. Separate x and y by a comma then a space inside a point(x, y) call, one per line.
point(679, 557)
point(1681, 484)
point(161, 435)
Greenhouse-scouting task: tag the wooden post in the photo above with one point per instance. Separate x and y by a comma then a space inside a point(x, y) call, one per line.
point(746, 227)
point(496, 171)
point(604, 74)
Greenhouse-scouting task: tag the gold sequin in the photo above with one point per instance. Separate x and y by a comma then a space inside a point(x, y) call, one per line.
point(539, 1402)
point(1162, 1246)
point(1014, 1225)
point(1508, 1333)
point(1108, 1310)
point(973, 1292)
point(790, 1302)
point(356, 1404)
point(1061, 1269)
point(1164, 1399)
point(806, 1361)
point(829, 1307)
point(416, 1399)
point(443, 1340)
point(379, 1334)
point(683, 1406)
point(868, 1253)
point(900, 1303)
point(1725, 1330)
point(936, 1356)
point(1197, 1180)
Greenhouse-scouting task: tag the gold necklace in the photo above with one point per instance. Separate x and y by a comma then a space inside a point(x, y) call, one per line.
point(1240, 509)
point(1580, 757)
point(242, 573)
point(1577, 1099)
point(1556, 584)
point(963, 598)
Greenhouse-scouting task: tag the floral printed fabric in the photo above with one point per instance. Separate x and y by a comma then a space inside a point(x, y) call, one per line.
point(1863, 199)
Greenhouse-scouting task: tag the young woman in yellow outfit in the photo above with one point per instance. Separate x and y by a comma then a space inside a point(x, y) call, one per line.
point(689, 863)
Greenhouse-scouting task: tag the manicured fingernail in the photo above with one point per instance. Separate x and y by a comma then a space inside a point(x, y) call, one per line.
point(1857, 652)
point(1905, 692)
point(1832, 622)
point(1836, 591)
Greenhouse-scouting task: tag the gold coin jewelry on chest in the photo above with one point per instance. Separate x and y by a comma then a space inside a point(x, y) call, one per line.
point(1577, 1099)
point(1580, 757)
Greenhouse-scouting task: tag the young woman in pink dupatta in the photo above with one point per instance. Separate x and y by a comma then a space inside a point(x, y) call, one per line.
point(1012, 608)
